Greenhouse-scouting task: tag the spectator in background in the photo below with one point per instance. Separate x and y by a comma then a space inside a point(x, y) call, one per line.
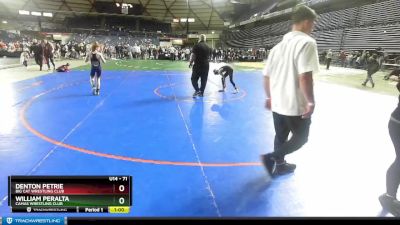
point(381, 60)
point(57, 49)
point(117, 50)
point(176, 53)
point(349, 60)
point(130, 51)
point(73, 54)
point(367, 58)
point(342, 57)
point(64, 50)
point(11, 47)
point(24, 58)
point(17, 46)
point(373, 67)
point(363, 60)
point(142, 52)
point(82, 49)
point(137, 51)
point(3, 46)
point(358, 60)
point(323, 56)
point(214, 55)
point(187, 53)
point(150, 53)
point(328, 58)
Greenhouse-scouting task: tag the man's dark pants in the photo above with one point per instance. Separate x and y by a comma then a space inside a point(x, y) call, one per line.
point(283, 126)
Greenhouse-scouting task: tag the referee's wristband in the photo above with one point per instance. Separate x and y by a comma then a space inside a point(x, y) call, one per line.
point(311, 104)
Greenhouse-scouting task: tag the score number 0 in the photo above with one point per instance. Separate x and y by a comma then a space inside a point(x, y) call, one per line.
point(121, 188)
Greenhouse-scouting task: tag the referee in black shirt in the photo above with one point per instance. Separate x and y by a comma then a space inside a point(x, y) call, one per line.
point(37, 50)
point(200, 57)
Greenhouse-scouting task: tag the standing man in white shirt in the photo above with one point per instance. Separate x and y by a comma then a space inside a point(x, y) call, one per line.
point(288, 82)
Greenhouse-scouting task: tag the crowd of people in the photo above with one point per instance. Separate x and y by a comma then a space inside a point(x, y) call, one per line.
point(232, 54)
point(125, 47)
point(41, 51)
point(352, 59)
point(371, 61)
point(15, 43)
point(11, 46)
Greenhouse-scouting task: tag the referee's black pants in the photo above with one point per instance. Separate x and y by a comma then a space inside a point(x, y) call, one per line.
point(39, 60)
point(200, 71)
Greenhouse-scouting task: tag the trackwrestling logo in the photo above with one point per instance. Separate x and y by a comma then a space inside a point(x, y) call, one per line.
point(33, 221)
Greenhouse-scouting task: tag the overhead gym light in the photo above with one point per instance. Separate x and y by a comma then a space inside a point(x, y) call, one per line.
point(23, 12)
point(46, 14)
point(36, 13)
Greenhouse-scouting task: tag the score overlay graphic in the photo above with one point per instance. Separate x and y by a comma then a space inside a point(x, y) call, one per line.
point(75, 194)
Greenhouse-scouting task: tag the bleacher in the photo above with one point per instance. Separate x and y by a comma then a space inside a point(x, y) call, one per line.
point(336, 19)
point(7, 37)
point(388, 13)
point(261, 31)
point(360, 28)
point(372, 37)
point(328, 39)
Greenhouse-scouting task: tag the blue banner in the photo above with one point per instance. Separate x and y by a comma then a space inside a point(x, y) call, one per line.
point(15, 220)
